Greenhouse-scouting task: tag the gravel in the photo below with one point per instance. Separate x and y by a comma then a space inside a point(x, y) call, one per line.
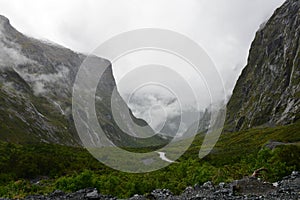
point(249, 188)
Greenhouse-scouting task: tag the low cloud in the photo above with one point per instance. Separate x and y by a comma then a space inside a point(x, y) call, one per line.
point(162, 112)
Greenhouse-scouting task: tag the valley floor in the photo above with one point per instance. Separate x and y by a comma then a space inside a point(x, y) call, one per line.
point(40, 169)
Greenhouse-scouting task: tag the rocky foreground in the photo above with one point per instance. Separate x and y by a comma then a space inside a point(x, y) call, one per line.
point(247, 188)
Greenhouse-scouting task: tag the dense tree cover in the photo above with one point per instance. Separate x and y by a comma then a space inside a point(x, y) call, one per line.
point(70, 169)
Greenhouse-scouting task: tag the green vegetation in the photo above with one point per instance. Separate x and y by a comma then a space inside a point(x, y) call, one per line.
point(69, 169)
point(20, 121)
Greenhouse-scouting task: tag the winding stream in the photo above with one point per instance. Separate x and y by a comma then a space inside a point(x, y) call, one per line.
point(162, 156)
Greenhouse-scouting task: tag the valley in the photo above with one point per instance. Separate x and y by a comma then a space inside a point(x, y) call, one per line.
point(43, 154)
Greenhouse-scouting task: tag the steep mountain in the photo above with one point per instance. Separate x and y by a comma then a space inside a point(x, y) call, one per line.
point(36, 80)
point(267, 92)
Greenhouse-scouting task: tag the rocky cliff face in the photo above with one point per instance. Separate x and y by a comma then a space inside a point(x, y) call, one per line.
point(36, 80)
point(268, 91)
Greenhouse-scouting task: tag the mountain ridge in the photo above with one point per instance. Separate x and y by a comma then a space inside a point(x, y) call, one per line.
point(268, 89)
point(36, 82)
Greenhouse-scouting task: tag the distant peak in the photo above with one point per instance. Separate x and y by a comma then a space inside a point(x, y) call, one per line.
point(3, 20)
point(5, 26)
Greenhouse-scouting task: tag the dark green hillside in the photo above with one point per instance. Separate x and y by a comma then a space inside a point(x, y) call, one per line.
point(70, 169)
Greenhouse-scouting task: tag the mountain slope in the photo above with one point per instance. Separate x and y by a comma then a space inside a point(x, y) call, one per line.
point(267, 92)
point(36, 80)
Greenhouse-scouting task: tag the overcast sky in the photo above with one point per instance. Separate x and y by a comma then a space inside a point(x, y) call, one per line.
point(223, 28)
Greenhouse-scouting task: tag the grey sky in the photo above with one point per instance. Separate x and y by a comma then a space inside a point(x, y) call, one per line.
point(224, 28)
